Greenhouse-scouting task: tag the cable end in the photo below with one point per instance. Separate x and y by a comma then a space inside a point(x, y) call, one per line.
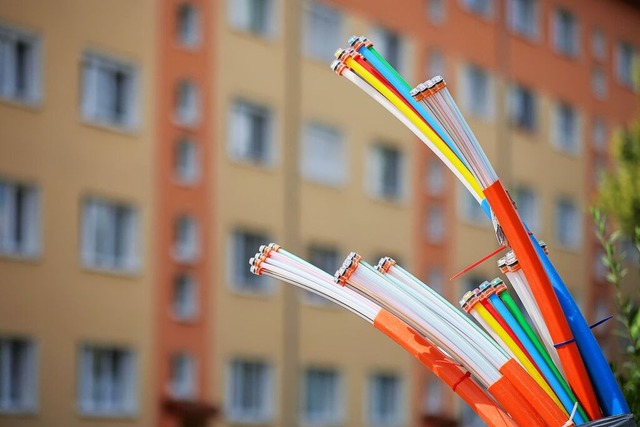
point(385, 264)
point(347, 268)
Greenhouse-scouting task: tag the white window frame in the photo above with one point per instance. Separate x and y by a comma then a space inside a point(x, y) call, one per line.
point(87, 384)
point(626, 67)
point(575, 239)
point(185, 297)
point(28, 401)
point(373, 413)
point(263, 412)
point(436, 11)
point(375, 173)
point(187, 162)
point(10, 36)
point(516, 12)
point(598, 45)
point(333, 412)
point(517, 94)
point(323, 155)
point(188, 25)
point(435, 224)
point(183, 383)
point(239, 18)
point(188, 104)
point(599, 134)
point(100, 212)
point(239, 277)
point(187, 239)
point(323, 30)
point(478, 101)
point(96, 67)
point(244, 129)
point(566, 46)
point(30, 222)
point(570, 144)
point(599, 83)
point(435, 180)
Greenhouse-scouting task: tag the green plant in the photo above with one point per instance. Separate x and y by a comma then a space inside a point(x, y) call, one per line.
point(627, 368)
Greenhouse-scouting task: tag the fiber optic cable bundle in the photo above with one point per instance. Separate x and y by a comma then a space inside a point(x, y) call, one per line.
point(580, 377)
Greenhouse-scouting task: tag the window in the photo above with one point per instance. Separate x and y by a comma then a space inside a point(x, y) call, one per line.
point(598, 45)
point(599, 171)
point(523, 17)
point(187, 243)
point(327, 259)
point(250, 391)
point(477, 92)
point(323, 30)
point(183, 376)
point(252, 16)
point(527, 204)
point(481, 7)
point(321, 397)
point(187, 163)
point(567, 130)
point(108, 377)
point(436, 65)
point(433, 396)
point(523, 108)
point(565, 33)
point(17, 375)
point(386, 176)
point(187, 104)
point(568, 224)
point(436, 11)
point(599, 268)
point(435, 279)
point(323, 155)
point(109, 235)
point(19, 65)
point(251, 134)
point(468, 208)
point(188, 20)
point(625, 63)
point(599, 135)
point(244, 247)
point(19, 219)
point(109, 91)
point(391, 46)
point(598, 83)
point(385, 401)
point(185, 297)
point(435, 177)
point(435, 228)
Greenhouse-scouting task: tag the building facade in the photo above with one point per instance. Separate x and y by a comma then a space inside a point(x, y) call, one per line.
point(141, 168)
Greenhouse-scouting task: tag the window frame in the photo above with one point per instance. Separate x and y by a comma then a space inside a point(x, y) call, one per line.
point(250, 284)
point(312, 9)
point(95, 208)
point(29, 399)
point(243, 113)
point(265, 411)
point(130, 400)
point(376, 171)
point(372, 417)
point(31, 222)
point(190, 310)
point(92, 64)
point(244, 24)
point(192, 40)
point(332, 416)
point(333, 171)
point(33, 91)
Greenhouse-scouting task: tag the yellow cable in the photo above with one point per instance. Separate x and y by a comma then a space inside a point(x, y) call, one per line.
point(515, 349)
point(418, 122)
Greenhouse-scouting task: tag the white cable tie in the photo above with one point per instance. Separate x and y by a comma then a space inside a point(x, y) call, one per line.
point(570, 420)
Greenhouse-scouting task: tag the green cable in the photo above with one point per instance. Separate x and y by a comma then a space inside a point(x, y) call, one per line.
point(513, 308)
point(393, 70)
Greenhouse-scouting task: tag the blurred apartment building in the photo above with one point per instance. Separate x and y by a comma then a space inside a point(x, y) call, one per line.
point(148, 148)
